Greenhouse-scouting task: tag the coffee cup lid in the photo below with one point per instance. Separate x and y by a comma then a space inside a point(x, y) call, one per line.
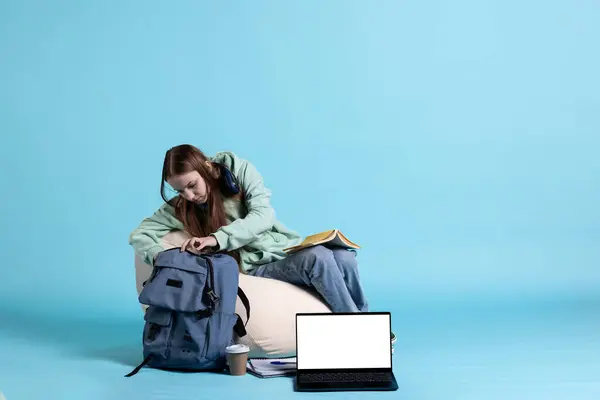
point(237, 348)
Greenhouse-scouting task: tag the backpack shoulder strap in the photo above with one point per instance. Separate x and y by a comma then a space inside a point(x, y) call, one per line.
point(239, 327)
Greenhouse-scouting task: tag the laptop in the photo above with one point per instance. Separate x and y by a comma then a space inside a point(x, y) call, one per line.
point(344, 352)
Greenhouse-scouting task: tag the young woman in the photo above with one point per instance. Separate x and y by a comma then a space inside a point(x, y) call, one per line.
point(223, 204)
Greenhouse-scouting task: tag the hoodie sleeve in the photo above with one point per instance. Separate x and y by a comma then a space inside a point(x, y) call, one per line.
point(146, 238)
point(261, 215)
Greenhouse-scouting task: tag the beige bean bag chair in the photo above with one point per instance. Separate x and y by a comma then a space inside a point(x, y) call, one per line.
point(271, 331)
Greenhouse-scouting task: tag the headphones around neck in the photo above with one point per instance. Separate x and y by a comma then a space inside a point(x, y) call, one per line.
point(228, 184)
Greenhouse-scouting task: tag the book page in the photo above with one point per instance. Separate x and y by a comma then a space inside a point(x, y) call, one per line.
point(338, 242)
point(317, 237)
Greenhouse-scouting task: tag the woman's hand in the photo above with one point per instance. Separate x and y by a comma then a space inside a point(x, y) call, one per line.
point(196, 244)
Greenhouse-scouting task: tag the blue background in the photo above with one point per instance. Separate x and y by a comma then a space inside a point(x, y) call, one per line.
point(457, 142)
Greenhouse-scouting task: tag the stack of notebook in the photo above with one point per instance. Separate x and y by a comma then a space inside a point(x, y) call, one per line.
point(272, 367)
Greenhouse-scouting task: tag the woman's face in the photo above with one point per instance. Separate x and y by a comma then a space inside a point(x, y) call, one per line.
point(190, 186)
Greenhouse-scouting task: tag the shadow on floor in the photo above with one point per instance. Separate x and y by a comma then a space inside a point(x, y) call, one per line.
point(130, 355)
point(117, 340)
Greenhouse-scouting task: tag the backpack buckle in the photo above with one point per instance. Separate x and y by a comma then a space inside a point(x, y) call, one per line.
point(212, 296)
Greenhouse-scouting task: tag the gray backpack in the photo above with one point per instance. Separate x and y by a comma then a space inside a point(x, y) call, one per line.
point(191, 318)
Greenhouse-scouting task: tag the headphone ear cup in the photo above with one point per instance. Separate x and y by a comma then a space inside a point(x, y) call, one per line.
point(228, 180)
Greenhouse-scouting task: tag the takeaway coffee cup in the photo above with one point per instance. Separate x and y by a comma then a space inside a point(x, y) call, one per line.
point(237, 357)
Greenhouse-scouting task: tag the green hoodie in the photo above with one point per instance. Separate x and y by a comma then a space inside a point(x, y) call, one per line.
point(252, 228)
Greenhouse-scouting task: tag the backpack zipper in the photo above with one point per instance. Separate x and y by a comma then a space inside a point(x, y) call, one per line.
point(211, 292)
point(168, 348)
point(206, 339)
point(214, 298)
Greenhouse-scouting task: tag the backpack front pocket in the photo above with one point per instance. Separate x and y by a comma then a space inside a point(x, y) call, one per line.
point(176, 289)
point(220, 331)
point(156, 331)
point(190, 339)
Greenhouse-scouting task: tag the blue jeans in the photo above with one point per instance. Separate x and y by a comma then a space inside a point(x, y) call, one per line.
point(333, 273)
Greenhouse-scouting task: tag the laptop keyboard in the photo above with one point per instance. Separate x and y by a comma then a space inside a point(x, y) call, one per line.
point(344, 377)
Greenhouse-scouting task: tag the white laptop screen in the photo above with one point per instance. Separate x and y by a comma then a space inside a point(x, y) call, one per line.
point(330, 341)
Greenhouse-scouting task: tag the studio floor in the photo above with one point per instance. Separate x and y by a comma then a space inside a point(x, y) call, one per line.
point(542, 350)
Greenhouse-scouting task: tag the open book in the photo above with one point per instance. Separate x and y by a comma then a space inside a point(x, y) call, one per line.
point(330, 238)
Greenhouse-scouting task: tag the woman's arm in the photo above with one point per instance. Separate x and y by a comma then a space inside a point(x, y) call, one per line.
point(146, 238)
point(261, 215)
